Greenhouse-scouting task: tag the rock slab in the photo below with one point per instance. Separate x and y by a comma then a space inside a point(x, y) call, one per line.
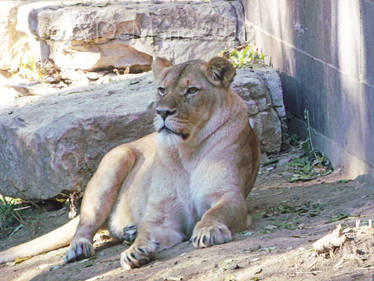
point(54, 143)
point(117, 34)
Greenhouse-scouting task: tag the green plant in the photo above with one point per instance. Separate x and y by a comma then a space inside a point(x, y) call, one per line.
point(307, 208)
point(245, 55)
point(290, 225)
point(312, 163)
point(7, 217)
point(338, 217)
point(294, 140)
point(25, 63)
point(344, 181)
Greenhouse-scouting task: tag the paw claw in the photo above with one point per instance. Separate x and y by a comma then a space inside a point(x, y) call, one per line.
point(140, 250)
point(80, 249)
point(138, 256)
point(209, 235)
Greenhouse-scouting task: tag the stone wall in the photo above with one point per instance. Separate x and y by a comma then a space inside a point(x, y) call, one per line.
point(324, 52)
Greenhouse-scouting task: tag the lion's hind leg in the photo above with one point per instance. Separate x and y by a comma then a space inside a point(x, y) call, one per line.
point(55, 239)
point(122, 224)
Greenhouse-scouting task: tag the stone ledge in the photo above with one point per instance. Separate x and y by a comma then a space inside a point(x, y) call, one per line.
point(103, 34)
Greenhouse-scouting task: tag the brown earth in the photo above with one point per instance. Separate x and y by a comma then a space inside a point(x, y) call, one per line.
point(287, 219)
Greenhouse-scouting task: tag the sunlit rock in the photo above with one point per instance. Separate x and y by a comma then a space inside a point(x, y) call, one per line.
point(94, 35)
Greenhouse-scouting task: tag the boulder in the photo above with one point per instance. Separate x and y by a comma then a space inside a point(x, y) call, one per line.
point(264, 99)
point(54, 142)
point(117, 34)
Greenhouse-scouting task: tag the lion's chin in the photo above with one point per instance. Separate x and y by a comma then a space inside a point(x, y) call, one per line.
point(168, 131)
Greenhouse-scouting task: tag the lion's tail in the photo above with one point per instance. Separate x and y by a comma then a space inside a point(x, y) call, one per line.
point(53, 240)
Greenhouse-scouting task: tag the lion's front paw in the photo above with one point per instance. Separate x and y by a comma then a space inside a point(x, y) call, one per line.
point(209, 234)
point(79, 249)
point(136, 256)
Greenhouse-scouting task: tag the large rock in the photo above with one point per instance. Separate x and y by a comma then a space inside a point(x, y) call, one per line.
point(262, 92)
point(96, 35)
point(53, 143)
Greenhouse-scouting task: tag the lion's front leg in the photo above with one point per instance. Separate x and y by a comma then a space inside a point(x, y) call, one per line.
point(227, 215)
point(98, 200)
point(158, 231)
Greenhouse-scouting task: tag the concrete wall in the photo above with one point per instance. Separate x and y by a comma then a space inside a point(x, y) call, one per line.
point(324, 50)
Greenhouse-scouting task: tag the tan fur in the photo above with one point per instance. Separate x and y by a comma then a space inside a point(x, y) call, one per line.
point(189, 179)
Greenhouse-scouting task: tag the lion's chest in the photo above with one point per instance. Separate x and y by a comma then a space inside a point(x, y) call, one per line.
point(166, 186)
point(172, 189)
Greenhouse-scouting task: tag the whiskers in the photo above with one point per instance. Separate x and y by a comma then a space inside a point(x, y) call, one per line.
point(173, 126)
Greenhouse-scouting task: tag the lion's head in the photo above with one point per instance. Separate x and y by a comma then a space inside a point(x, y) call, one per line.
point(189, 94)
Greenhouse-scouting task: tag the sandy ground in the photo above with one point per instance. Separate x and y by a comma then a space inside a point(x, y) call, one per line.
point(287, 219)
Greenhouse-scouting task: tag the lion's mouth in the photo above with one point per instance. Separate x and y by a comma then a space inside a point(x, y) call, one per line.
point(170, 131)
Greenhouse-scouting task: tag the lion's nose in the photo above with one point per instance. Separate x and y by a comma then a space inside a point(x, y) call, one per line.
point(165, 112)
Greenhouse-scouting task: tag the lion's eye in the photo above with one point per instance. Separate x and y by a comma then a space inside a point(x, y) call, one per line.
point(161, 91)
point(191, 91)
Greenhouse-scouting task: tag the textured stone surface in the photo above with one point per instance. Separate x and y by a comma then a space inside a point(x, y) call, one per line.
point(259, 98)
point(54, 143)
point(95, 35)
point(274, 84)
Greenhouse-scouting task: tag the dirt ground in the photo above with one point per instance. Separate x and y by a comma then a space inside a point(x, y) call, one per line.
point(287, 219)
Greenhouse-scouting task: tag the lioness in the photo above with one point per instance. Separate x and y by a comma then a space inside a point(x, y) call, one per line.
point(189, 179)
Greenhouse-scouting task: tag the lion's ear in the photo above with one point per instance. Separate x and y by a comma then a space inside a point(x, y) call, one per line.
point(158, 66)
point(221, 70)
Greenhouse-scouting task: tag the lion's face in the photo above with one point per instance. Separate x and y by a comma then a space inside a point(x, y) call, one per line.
point(188, 94)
